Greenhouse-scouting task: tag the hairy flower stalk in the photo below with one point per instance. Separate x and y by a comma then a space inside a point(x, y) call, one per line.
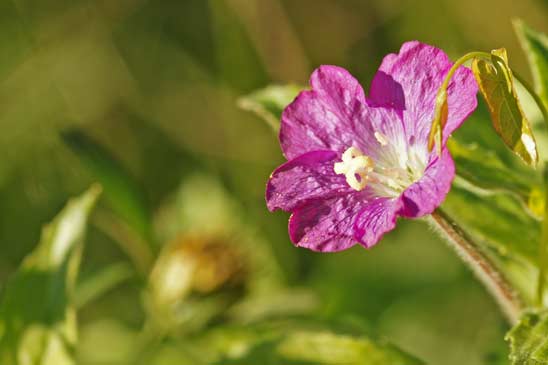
point(481, 265)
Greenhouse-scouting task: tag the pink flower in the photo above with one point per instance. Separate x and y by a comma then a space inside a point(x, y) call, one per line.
point(356, 163)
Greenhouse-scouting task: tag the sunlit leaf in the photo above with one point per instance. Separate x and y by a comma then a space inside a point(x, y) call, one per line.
point(496, 85)
point(529, 339)
point(269, 103)
point(37, 317)
point(535, 45)
point(121, 191)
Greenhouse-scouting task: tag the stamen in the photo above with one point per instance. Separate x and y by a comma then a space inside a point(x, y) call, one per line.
point(354, 164)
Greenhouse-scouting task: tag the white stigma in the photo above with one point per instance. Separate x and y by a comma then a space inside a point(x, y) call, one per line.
point(354, 164)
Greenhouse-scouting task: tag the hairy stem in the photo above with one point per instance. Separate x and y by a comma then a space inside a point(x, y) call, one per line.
point(481, 265)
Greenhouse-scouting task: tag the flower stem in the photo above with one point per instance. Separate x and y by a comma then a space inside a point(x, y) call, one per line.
point(440, 111)
point(458, 63)
point(481, 265)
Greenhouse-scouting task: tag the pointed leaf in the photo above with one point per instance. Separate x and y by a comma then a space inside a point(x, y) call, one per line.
point(325, 347)
point(535, 45)
point(37, 318)
point(529, 339)
point(269, 103)
point(496, 85)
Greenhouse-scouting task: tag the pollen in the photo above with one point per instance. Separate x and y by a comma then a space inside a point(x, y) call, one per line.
point(356, 167)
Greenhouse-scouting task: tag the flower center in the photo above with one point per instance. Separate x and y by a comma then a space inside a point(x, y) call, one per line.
point(395, 168)
point(356, 167)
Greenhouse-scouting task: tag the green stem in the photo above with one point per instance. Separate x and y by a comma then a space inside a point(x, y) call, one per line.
point(481, 265)
point(459, 63)
point(543, 247)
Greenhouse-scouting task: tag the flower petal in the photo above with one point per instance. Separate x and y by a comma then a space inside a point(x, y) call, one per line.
point(375, 219)
point(325, 225)
point(323, 118)
point(409, 81)
point(306, 177)
point(428, 193)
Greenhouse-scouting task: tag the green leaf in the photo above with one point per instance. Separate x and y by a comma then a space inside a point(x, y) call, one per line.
point(529, 339)
point(484, 169)
point(296, 342)
point(121, 191)
point(535, 45)
point(37, 317)
point(269, 103)
point(509, 234)
point(496, 85)
point(329, 348)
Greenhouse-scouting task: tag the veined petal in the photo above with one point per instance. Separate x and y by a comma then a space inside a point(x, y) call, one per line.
point(325, 225)
point(375, 219)
point(306, 177)
point(424, 196)
point(326, 117)
point(409, 81)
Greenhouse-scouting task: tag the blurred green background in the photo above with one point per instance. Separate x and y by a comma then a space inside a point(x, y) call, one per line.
point(156, 83)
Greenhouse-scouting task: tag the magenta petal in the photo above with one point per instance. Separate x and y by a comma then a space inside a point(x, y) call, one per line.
point(376, 218)
point(428, 193)
point(325, 225)
point(326, 117)
point(410, 80)
point(306, 177)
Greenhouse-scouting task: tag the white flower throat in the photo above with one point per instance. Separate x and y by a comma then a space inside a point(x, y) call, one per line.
point(395, 168)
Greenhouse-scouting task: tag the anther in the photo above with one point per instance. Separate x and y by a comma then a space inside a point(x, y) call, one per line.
point(354, 164)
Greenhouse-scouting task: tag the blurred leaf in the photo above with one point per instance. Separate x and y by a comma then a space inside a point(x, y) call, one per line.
point(529, 339)
point(269, 103)
point(100, 282)
point(37, 317)
point(272, 343)
point(276, 303)
point(329, 348)
point(106, 341)
point(496, 85)
point(238, 62)
point(120, 189)
point(535, 45)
